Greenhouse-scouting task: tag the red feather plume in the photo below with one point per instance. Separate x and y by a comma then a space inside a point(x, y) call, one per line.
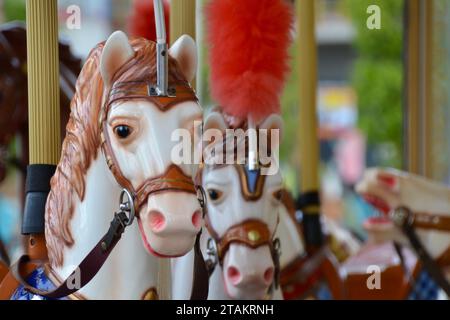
point(249, 41)
point(141, 22)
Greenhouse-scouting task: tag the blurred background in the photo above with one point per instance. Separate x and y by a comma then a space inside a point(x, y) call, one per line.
point(380, 92)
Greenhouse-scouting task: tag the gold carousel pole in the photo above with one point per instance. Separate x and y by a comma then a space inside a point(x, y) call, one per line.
point(43, 114)
point(182, 21)
point(308, 137)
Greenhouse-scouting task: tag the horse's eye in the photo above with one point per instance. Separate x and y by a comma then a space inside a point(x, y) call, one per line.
point(214, 194)
point(122, 131)
point(278, 195)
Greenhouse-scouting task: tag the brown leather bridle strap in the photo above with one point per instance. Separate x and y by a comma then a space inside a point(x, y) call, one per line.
point(431, 221)
point(141, 90)
point(251, 233)
point(173, 179)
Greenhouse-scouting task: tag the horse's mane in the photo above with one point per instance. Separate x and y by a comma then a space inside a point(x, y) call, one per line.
point(82, 142)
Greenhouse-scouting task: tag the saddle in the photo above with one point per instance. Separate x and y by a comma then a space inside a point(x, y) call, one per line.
point(398, 267)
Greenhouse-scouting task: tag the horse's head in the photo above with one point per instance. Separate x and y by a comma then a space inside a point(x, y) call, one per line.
point(242, 217)
point(136, 138)
point(389, 189)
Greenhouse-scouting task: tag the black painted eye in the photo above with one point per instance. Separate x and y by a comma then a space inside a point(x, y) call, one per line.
point(278, 195)
point(122, 131)
point(214, 194)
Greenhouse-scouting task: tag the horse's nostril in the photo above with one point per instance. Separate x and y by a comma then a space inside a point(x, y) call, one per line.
point(156, 220)
point(268, 275)
point(197, 219)
point(233, 275)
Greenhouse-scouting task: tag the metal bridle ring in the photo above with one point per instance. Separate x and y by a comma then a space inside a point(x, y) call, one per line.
point(127, 206)
point(201, 196)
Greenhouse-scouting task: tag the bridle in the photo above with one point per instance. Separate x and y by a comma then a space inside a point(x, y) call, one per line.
point(252, 233)
point(407, 221)
point(131, 199)
point(173, 179)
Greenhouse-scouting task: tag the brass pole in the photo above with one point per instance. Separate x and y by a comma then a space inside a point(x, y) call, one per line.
point(182, 20)
point(43, 81)
point(412, 126)
point(309, 201)
point(308, 138)
point(43, 117)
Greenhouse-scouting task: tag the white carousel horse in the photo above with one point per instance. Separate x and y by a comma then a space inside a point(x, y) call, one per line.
point(388, 189)
point(238, 205)
point(113, 111)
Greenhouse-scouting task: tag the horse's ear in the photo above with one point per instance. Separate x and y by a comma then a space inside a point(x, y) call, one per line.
point(116, 52)
point(273, 122)
point(215, 120)
point(184, 50)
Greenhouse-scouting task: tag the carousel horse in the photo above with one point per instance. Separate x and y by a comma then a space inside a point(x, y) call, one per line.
point(117, 145)
point(417, 213)
point(13, 91)
point(248, 57)
point(240, 238)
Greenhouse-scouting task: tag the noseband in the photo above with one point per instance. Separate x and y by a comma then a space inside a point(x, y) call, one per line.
point(173, 179)
point(252, 233)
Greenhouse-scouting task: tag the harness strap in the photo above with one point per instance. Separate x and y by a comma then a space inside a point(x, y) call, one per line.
point(426, 220)
point(200, 285)
point(85, 271)
point(404, 218)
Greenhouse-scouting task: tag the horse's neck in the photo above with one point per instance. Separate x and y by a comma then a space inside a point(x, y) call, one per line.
point(291, 242)
point(130, 270)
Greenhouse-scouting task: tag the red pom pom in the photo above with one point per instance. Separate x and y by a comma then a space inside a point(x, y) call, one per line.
point(249, 41)
point(141, 22)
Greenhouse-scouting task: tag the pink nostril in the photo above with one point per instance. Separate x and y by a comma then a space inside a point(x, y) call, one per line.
point(197, 219)
point(234, 275)
point(268, 275)
point(157, 221)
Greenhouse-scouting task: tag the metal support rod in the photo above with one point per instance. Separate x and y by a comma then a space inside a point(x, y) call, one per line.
point(308, 129)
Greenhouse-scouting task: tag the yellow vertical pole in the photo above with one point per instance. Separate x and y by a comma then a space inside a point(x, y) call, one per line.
point(43, 115)
point(308, 138)
point(43, 81)
point(308, 133)
point(412, 107)
point(182, 20)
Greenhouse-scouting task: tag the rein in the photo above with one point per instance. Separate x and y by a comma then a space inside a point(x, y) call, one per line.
point(172, 180)
point(407, 220)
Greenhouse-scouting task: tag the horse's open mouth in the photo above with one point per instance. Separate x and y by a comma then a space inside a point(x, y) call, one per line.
point(378, 203)
point(381, 221)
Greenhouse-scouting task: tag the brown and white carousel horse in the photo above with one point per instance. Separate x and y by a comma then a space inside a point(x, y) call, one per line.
point(130, 96)
point(417, 214)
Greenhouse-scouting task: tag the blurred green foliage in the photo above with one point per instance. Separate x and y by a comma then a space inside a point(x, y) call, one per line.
point(14, 10)
point(377, 75)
